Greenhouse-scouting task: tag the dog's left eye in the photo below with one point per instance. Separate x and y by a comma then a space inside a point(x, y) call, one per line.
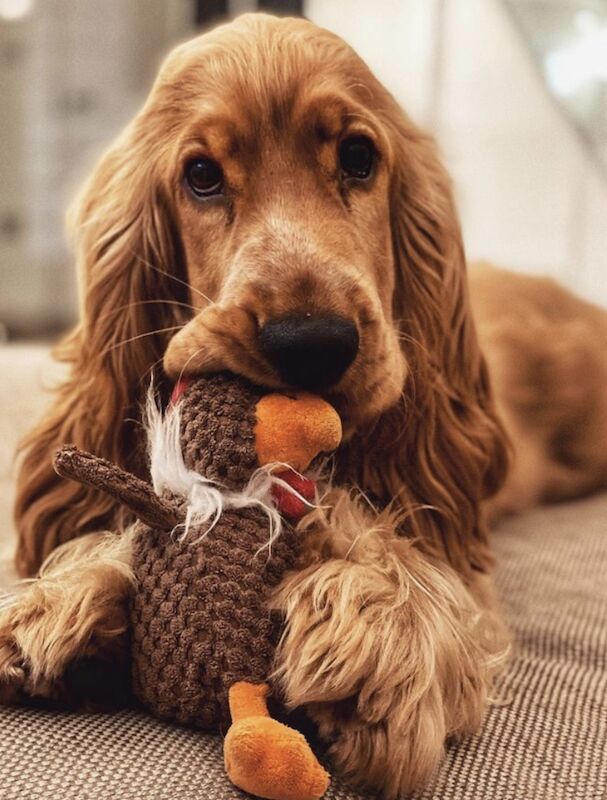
point(356, 157)
point(204, 177)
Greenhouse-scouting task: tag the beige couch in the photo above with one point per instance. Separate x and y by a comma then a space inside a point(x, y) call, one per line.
point(546, 738)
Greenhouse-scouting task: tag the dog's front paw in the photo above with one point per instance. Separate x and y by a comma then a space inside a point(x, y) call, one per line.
point(62, 647)
point(33, 656)
point(12, 672)
point(22, 676)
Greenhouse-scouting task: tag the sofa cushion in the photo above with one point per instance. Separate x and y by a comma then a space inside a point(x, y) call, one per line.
point(544, 738)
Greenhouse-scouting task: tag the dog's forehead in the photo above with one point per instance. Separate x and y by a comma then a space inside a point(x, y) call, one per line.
point(262, 71)
point(226, 132)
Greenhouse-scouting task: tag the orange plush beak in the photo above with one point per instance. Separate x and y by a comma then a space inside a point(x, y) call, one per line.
point(294, 429)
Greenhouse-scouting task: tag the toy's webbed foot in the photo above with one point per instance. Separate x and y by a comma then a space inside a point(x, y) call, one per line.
point(265, 757)
point(268, 759)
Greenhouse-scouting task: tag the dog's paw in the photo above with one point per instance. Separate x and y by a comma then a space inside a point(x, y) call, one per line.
point(12, 672)
point(43, 663)
point(28, 668)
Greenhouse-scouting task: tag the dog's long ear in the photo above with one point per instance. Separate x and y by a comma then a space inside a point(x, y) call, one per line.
point(127, 253)
point(442, 447)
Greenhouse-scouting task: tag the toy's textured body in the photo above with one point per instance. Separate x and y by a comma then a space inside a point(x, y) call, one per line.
point(199, 622)
point(199, 618)
point(205, 560)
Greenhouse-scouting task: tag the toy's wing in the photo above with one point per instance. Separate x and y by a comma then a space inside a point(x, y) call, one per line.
point(131, 491)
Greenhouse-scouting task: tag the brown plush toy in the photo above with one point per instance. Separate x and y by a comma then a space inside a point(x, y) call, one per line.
point(214, 536)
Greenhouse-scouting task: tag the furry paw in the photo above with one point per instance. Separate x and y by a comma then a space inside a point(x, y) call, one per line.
point(49, 648)
point(12, 673)
point(270, 760)
point(63, 637)
point(388, 651)
point(21, 675)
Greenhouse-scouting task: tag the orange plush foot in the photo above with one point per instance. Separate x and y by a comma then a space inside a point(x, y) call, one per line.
point(269, 759)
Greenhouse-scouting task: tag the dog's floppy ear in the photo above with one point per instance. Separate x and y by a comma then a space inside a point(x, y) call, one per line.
point(442, 447)
point(127, 250)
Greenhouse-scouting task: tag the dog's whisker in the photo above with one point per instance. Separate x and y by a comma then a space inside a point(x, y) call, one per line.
point(362, 117)
point(175, 278)
point(406, 337)
point(183, 369)
point(139, 336)
point(358, 85)
point(146, 302)
point(150, 370)
point(8, 599)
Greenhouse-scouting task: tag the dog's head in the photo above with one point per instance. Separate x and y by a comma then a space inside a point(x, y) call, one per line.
point(273, 205)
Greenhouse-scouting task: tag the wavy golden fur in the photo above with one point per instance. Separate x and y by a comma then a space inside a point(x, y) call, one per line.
point(395, 263)
point(392, 636)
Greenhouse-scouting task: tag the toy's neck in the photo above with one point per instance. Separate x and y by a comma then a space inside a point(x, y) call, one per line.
point(293, 506)
point(179, 388)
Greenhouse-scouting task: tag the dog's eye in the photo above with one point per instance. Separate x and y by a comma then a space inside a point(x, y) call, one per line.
point(204, 177)
point(356, 157)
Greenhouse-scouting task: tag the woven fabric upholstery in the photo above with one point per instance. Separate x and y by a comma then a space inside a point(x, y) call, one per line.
point(547, 740)
point(125, 756)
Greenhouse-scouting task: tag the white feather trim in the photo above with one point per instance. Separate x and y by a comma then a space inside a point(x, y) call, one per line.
point(206, 499)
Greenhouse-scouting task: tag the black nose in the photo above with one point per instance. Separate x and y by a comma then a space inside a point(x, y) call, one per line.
point(310, 352)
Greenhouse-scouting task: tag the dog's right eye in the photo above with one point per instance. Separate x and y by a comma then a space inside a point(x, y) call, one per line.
point(356, 157)
point(204, 177)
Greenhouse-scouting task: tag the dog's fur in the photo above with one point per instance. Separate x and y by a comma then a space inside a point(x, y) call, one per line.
point(392, 634)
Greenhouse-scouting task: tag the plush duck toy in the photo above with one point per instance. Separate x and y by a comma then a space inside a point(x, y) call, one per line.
point(215, 534)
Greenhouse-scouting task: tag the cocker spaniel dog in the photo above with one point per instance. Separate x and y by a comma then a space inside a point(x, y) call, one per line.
point(272, 211)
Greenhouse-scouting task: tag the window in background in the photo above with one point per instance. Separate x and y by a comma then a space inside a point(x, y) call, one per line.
point(568, 41)
point(72, 73)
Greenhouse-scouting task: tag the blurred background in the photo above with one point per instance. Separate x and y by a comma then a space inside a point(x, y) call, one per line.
point(514, 90)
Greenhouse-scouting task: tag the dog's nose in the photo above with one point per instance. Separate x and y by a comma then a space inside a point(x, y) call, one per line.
point(311, 352)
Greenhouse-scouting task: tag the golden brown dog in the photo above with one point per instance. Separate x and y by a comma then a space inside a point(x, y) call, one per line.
point(272, 211)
